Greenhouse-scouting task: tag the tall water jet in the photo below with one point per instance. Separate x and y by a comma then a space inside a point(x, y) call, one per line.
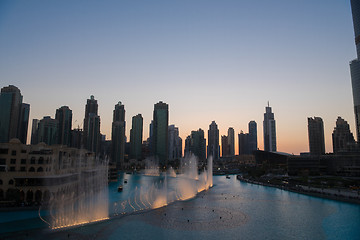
point(83, 195)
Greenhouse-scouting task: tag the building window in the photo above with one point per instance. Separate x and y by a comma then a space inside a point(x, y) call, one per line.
point(22, 169)
point(13, 153)
point(4, 151)
point(23, 151)
point(11, 182)
point(1, 182)
point(23, 161)
point(13, 161)
point(32, 161)
point(41, 160)
point(32, 169)
point(2, 161)
point(12, 169)
point(40, 169)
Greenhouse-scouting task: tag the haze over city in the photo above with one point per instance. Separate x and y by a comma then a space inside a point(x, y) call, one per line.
point(208, 60)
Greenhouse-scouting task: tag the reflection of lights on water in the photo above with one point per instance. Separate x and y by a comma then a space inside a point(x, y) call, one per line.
point(80, 223)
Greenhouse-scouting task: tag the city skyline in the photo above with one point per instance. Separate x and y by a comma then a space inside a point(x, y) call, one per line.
point(210, 62)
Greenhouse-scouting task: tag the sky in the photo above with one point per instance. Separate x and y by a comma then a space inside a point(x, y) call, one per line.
point(210, 60)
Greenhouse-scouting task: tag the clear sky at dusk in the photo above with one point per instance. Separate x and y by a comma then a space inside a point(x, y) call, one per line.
point(209, 60)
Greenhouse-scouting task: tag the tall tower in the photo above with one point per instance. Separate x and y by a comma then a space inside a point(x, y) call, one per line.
point(136, 137)
point(174, 143)
point(91, 134)
point(252, 137)
point(213, 141)
point(225, 147)
point(316, 136)
point(198, 144)
point(343, 139)
point(14, 115)
point(355, 65)
point(64, 117)
point(159, 140)
point(269, 130)
point(48, 131)
point(231, 141)
point(118, 135)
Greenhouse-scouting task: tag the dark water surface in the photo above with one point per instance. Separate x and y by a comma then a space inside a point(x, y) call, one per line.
point(229, 210)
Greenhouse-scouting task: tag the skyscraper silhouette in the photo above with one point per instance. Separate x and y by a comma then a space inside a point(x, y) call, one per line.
point(213, 141)
point(269, 130)
point(159, 139)
point(136, 137)
point(118, 135)
point(252, 137)
point(231, 141)
point(64, 117)
point(14, 115)
point(91, 134)
point(316, 136)
point(343, 139)
point(355, 65)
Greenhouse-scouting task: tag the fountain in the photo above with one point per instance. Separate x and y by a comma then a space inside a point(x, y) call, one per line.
point(82, 196)
point(168, 187)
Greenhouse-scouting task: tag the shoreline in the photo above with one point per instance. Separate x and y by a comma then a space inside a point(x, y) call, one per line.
point(310, 191)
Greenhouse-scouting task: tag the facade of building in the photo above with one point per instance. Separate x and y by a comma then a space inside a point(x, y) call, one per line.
point(14, 115)
point(64, 117)
point(355, 66)
point(243, 143)
point(35, 173)
point(136, 137)
point(91, 109)
point(213, 141)
point(343, 139)
point(269, 130)
point(34, 131)
point(231, 141)
point(159, 139)
point(225, 147)
point(252, 137)
point(175, 143)
point(93, 137)
point(118, 135)
point(48, 131)
point(316, 136)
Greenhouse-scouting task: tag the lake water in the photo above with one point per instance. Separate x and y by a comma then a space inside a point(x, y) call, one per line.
point(229, 210)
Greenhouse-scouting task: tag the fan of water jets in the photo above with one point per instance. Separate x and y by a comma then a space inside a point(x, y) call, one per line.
point(83, 197)
point(170, 187)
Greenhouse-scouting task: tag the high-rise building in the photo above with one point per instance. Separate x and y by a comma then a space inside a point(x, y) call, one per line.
point(175, 143)
point(136, 137)
point(93, 139)
point(252, 137)
point(316, 136)
point(76, 138)
point(91, 107)
point(269, 130)
point(355, 65)
point(243, 143)
point(64, 117)
point(34, 132)
point(231, 141)
point(118, 135)
point(213, 141)
point(159, 139)
point(225, 147)
point(343, 139)
point(48, 131)
point(187, 147)
point(23, 122)
point(14, 115)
